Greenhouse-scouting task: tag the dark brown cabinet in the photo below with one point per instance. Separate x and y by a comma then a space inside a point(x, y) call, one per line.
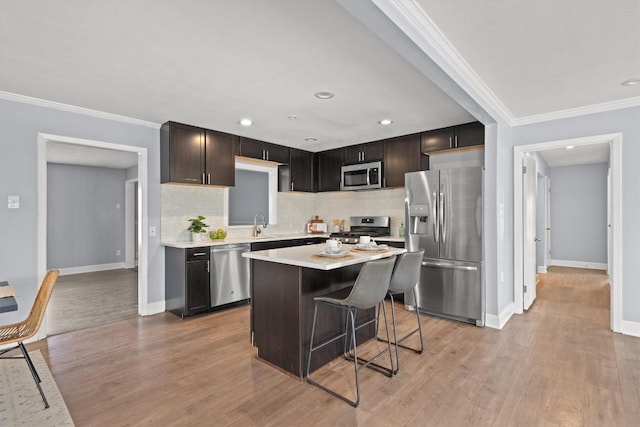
point(187, 290)
point(329, 169)
point(465, 135)
point(370, 152)
point(192, 155)
point(301, 170)
point(262, 150)
point(401, 155)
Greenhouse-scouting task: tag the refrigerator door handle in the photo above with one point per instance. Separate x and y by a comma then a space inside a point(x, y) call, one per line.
point(443, 230)
point(447, 265)
point(436, 228)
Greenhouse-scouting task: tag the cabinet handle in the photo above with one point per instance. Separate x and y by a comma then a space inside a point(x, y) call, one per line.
point(199, 253)
point(267, 151)
point(291, 185)
point(208, 267)
point(450, 142)
point(203, 181)
point(456, 141)
point(363, 156)
point(209, 178)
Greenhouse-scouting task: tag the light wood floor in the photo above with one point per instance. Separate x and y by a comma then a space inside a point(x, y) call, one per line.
point(90, 299)
point(558, 364)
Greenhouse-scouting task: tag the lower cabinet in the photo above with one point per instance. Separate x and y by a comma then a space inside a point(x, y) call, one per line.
point(187, 290)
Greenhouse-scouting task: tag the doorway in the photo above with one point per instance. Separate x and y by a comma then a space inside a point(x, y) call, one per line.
point(613, 144)
point(142, 217)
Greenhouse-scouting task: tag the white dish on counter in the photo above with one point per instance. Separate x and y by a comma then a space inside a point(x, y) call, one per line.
point(371, 247)
point(340, 253)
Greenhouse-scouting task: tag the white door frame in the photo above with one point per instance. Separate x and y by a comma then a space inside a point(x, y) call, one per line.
point(615, 262)
point(143, 243)
point(130, 231)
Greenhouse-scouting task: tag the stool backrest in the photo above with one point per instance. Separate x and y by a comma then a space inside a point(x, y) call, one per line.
point(406, 273)
point(372, 284)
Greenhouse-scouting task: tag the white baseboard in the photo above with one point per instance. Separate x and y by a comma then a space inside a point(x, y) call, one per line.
point(155, 308)
point(498, 322)
point(542, 269)
point(90, 268)
point(630, 328)
point(579, 264)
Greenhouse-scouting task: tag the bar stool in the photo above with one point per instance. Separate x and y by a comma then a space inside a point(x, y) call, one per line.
point(405, 277)
point(369, 291)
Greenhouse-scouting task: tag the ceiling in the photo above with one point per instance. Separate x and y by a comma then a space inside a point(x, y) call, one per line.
point(211, 63)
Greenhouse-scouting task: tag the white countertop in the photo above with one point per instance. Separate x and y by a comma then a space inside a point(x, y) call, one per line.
point(303, 256)
point(238, 240)
point(268, 238)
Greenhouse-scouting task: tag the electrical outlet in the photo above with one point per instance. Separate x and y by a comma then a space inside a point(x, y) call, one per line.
point(117, 252)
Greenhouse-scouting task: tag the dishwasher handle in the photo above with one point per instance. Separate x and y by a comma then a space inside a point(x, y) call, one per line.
point(226, 248)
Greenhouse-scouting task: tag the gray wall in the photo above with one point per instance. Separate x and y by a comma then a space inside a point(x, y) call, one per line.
point(579, 213)
point(19, 127)
point(627, 122)
point(85, 215)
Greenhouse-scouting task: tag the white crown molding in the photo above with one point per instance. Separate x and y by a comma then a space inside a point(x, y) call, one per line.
point(579, 111)
point(418, 26)
point(8, 96)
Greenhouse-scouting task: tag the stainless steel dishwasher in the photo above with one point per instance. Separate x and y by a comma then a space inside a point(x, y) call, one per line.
point(230, 274)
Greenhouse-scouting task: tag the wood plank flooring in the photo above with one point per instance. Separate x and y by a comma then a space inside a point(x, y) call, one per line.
point(558, 364)
point(90, 299)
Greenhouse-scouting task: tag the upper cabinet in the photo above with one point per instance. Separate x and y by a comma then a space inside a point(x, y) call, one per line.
point(401, 155)
point(329, 169)
point(192, 155)
point(370, 152)
point(301, 170)
point(465, 135)
point(263, 150)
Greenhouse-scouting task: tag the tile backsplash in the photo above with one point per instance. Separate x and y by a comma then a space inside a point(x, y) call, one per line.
point(179, 203)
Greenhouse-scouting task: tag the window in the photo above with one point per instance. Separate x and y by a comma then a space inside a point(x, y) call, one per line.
point(256, 191)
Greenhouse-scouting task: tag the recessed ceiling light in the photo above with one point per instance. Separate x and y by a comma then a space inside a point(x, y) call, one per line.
point(323, 95)
point(292, 117)
point(631, 82)
point(311, 139)
point(385, 122)
point(570, 147)
point(246, 122)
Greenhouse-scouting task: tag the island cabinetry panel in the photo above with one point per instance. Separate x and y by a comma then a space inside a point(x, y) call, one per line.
point(362, 153)
point(401, 155)
point(192, 155)
point(282, 309)
point(187, 290)
point(263, 150)
point(329, 169)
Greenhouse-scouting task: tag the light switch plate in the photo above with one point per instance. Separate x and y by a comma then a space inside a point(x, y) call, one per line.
point(13, 202)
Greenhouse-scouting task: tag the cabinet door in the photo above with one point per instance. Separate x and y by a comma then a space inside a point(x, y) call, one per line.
point(373, 151)
point(186, 154)
point(435, 140)
point(329, 170)
point(220, 158)
point(276, 153)
point(402, 155)
point(197, 292)
point(469, 134)
point(251, 148)
point(352, 154)
point(301, 168)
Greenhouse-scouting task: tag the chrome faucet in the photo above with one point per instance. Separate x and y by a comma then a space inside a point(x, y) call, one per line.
point(256, 227)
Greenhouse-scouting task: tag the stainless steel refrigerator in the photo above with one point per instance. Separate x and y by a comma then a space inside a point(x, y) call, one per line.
point(443, 216)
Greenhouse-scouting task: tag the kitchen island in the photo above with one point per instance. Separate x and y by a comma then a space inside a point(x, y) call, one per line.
point(283, 285)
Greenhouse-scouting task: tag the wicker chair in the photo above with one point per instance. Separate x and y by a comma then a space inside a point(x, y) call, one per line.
point(19, 332)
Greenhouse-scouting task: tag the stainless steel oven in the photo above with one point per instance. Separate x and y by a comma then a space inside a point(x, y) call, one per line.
point(363, 176)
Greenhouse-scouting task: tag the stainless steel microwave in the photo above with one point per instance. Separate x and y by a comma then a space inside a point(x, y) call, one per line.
point(363, 176)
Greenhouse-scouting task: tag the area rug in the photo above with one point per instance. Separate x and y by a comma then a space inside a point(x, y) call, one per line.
point(20, 401)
